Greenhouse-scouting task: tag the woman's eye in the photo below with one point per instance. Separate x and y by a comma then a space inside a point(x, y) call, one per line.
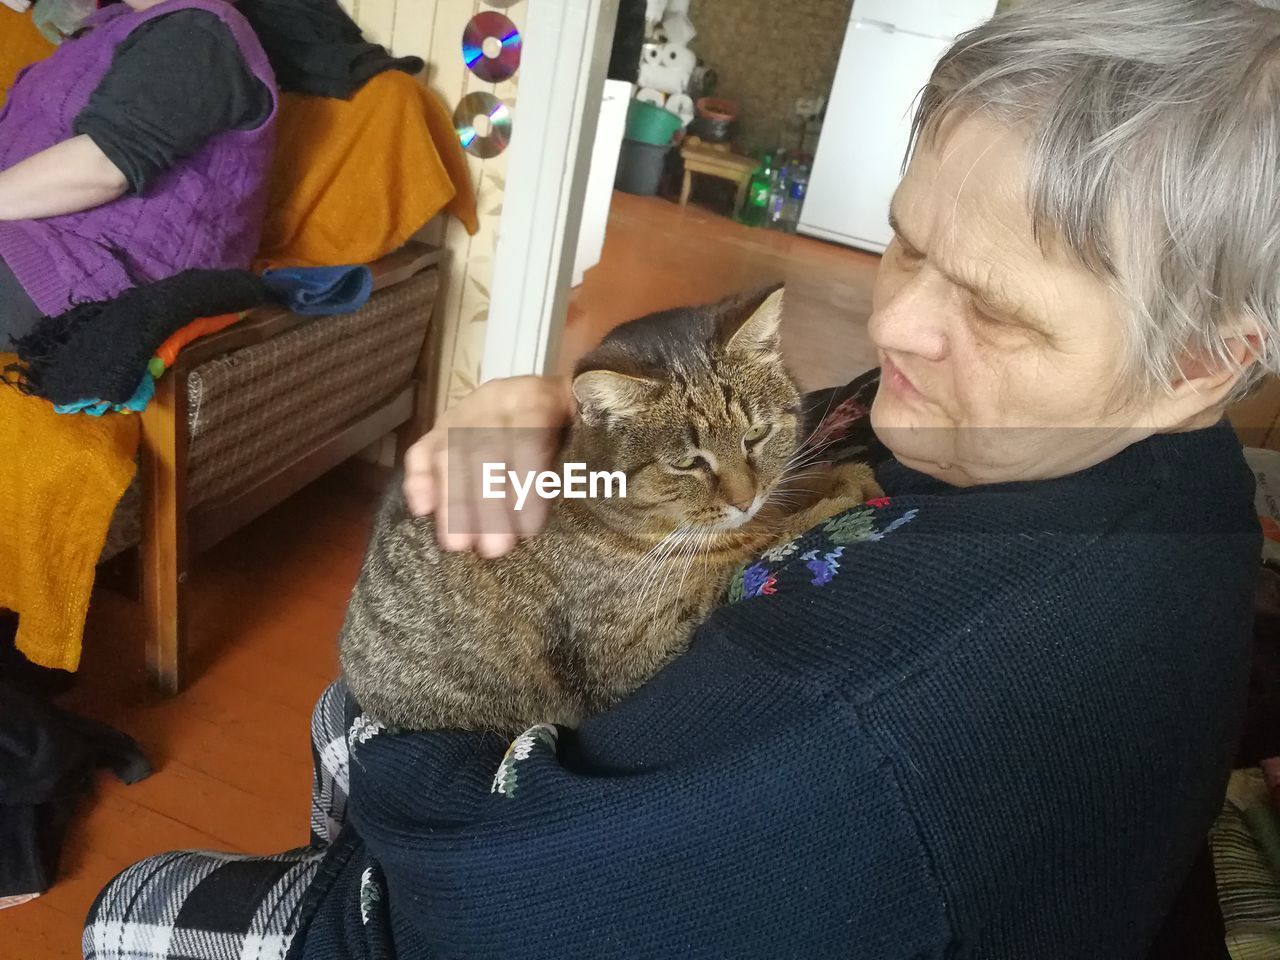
point(688, 463)
point(908, 254)
point(756, 433)
point(992, 318)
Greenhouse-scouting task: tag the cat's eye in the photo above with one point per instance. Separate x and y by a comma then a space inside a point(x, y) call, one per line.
point(756, 434)
point(688, 463)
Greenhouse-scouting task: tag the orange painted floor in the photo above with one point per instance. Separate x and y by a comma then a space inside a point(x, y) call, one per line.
point(658, 255)
point(231, 752)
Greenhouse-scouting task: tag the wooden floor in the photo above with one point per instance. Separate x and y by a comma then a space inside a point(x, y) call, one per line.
point(232, 757)
point(658, 255)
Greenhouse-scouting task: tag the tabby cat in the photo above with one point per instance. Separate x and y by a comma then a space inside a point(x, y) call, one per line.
point(695, 407)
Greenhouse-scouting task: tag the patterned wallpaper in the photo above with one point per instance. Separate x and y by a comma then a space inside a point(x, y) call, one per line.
point(767, 55)
point(432, 29)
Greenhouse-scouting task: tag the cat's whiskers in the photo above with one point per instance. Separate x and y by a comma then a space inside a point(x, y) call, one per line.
point(811, 446)
point(689, 545)
point(804, 457)
point(699, 547)
point(654, 583)
point(642, 564)
point(803, 444)
point(653, 586)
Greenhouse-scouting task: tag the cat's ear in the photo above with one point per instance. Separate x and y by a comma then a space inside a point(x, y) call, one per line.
point(751, 325)
point(607, 394)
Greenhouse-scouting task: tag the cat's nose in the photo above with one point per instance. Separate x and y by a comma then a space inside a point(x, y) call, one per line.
point(742, 503)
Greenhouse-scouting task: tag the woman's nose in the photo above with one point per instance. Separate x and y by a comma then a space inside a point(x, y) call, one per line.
point(914, 320)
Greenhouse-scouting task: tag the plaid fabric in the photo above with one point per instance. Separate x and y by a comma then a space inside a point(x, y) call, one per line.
point(259, 409)
point(196, 905)
point(330, 761)
point(1246, 853)
point(199, 905)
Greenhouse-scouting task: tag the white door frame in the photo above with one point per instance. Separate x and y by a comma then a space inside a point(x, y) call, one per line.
point(562, 73)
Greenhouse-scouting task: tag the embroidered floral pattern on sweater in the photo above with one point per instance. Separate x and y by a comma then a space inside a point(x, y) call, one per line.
point(836, 424)
point(824, 568)
point(824, 551)
point(363, 729)
point(781, 551)
point(370, 894)
point(506, 779)
point(901, 521)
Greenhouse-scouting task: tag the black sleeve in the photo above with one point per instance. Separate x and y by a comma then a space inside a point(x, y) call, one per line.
point(174, 83)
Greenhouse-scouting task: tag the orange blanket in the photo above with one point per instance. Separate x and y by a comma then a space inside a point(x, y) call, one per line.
point(20, 44)
point(352, 180)
point(60, 481)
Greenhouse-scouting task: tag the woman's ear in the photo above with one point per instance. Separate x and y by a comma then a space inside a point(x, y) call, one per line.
point(1207, 382)
point(752, 325)
point(1204, 374)
point(606, 394)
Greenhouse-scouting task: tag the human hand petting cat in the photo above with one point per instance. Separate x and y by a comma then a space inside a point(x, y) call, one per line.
point(519, 421)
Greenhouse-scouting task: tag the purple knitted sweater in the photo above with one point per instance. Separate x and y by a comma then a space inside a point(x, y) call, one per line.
point(205, 211)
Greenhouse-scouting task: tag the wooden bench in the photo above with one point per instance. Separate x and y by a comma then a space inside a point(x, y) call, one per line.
point(258, 386)
point(716, 160)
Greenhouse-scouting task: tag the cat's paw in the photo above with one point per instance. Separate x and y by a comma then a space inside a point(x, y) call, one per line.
point(854, 483)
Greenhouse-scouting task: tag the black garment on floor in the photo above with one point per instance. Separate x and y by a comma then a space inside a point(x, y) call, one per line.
point(174, 82)
point(48, 758)
point(316, 48)
point(100, 350)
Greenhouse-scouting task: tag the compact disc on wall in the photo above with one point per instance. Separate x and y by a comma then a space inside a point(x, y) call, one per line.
point(491, 46)
point(483, 123)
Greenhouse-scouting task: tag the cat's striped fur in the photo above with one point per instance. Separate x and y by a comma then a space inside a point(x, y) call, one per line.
point(582, 614)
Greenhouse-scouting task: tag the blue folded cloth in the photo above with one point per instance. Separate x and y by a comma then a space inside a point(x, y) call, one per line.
point(96, 408)
point(319, 291)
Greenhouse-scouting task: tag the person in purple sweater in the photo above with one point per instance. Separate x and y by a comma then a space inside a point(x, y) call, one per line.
point(139, 149)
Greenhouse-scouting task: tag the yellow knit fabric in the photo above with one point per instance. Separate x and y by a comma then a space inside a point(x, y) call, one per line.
point(352, 180)
point(20, 44)
point(61, 478)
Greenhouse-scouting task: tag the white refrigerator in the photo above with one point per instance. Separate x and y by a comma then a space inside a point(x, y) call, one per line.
point(890, 48)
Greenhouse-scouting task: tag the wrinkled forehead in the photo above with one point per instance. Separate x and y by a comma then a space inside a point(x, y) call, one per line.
point(964, 201)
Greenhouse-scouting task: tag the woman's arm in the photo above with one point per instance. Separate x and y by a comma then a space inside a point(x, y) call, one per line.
point(68, 177)
point(725, 811)
point(174, 83)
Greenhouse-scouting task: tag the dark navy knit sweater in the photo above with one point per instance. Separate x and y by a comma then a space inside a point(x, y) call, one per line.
point(984, 723)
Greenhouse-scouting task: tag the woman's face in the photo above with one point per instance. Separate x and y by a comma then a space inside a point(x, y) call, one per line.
point(999, 363)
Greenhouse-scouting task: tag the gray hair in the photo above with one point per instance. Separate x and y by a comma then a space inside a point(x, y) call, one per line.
point(1154, 135)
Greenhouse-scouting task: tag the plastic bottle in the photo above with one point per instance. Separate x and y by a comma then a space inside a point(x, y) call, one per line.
point(794, 203)
point(755, 207)
point(778, 192)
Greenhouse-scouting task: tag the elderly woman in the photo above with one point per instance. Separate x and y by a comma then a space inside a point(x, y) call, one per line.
point(1000, 723)
point(139, 149)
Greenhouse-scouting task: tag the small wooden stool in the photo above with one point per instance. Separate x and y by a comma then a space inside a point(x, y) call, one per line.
point(715, 160)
